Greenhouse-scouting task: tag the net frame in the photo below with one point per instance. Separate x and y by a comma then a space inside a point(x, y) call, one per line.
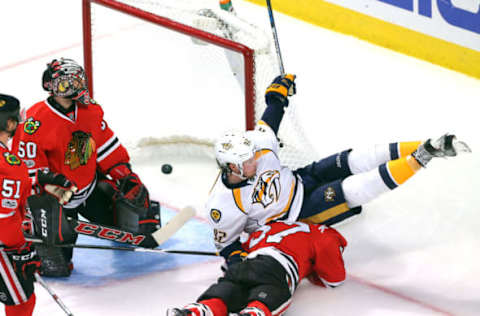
point(248, 53)
point(260, 65)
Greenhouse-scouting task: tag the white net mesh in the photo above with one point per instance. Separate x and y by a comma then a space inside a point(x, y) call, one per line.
point(204, 81)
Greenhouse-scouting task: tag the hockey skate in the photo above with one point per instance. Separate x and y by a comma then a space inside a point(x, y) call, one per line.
point(445, 146)
point(179, 312)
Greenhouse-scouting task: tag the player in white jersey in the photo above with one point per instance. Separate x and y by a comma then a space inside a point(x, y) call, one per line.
point(254, 187)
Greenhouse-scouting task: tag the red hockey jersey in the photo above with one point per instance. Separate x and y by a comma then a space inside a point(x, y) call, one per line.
point(74, 145)
point(304, 250)
point(15, 188)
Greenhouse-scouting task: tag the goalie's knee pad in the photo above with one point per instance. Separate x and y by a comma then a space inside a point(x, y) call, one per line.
point(56, 261)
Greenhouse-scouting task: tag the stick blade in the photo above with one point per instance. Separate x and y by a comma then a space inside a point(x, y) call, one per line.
point(173, 225)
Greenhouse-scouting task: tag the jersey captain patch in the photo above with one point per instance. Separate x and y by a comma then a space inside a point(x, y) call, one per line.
point(12, 159)
point(216, 215)
point(267, 189)
point(79, 150)
point(31, 126)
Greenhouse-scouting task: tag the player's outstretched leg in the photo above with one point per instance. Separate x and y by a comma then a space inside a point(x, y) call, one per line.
point(364, 187)
point(445, 146)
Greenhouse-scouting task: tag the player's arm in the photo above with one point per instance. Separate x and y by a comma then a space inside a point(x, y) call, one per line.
point(114, 161)
point(228, 224)
point(329, 267)
point(276, 98)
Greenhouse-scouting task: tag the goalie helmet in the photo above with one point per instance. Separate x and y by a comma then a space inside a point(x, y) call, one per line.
point(233, 148)
point(66, 78)
point(9, 109)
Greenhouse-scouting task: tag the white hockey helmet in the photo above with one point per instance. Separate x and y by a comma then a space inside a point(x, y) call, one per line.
point(233, 148)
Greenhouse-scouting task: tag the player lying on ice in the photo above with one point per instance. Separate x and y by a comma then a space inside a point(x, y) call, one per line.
point(280, 255)
point(254, 187)
point(67, 135)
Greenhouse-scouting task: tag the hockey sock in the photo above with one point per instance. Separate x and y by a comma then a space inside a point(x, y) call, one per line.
point(362, 160)
point(216, 305)
point(256, 308)
point(361, 188)
point(23, 309)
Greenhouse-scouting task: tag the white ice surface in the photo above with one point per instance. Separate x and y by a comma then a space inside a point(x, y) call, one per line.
point(413, 251)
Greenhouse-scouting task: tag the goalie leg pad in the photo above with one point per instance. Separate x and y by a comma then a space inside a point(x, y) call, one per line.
point(56, 262)
point(49, 221)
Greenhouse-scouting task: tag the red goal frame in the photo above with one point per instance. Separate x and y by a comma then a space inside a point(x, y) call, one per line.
point(248, 53)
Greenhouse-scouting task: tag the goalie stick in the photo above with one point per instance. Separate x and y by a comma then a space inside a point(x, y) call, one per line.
point(133, 249)
point(52, 294)
point(148, 241)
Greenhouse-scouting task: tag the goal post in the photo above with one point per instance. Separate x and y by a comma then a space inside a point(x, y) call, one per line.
point(247, 52)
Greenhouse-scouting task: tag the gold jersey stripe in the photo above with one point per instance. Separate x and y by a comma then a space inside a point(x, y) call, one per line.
point(327, 214)
point(237, 196)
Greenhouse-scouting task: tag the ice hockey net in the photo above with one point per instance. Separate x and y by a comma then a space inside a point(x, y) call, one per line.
point(226, 47)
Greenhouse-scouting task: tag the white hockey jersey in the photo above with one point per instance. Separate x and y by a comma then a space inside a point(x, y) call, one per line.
point(274, 193)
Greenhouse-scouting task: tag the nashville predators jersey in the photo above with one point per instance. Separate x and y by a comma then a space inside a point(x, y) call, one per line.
point(273, 193)
point(73, 145)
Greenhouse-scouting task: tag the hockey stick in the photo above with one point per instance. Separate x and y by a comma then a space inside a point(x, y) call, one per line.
point(149, 241)
point(134, 249)
point(275, 37)
point(52, 294)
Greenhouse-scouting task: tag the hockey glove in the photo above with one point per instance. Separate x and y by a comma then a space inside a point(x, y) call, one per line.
point(24, 260)
point(130, 185)
point(57, 185)
point(280, 89)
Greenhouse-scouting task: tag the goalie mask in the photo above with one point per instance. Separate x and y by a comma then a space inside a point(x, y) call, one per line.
point(66, 78)
point(234, 148)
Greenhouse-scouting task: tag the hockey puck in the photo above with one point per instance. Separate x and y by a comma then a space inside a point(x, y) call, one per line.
point(167, 168)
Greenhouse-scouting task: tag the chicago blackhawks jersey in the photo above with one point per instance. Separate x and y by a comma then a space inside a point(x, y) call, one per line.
point(72, 144)
point(304, 250)
point(15, 188)
point(273, 193)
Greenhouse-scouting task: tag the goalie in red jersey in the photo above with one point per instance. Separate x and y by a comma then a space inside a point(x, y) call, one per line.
point(279, 256)
point(18, 259)
point(67, 135)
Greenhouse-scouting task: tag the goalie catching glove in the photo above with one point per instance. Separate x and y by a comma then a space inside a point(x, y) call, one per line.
point(57, 185)
point(130, 185)
point(280, 89)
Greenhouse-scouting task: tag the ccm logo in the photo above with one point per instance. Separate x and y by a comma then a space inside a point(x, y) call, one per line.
point(108, 233)
point(453, 15)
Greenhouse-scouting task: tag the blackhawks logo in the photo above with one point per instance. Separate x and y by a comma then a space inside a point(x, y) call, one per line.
point(12, 159)
point(79, 150)
point(31, 126)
